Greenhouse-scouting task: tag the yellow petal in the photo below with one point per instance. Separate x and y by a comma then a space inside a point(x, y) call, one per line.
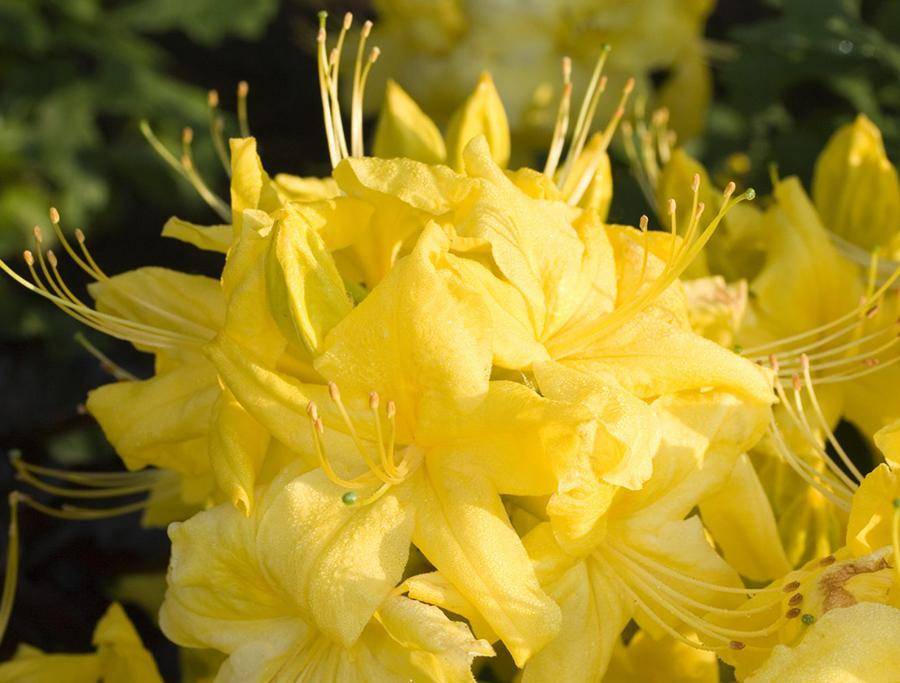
point(849, 645)
point(525, 444)
point(237, 446)
point(533, 243)
point(207, 237)
point(250, 185)
point(515, 342)
point(888, 441)
point(222, 599)
point(651, 357)
point(32, 665)
point(872, 512)
point(740, 519)
point(462, 528)
point(299, 189)
point(426, 643)
point(623, 452)
point(434, 589)
point(275, 400)
point(123, 658)
point(404, 195)
point(305, 292)
point(412, 339)
point(244, 282)
point(481, 114)
point(855, 186)
point(703, 434)
point(190, 305)
point(404, 130)
point(160, 421)
point(593, 616)
point(804, 282)
point(337, 562)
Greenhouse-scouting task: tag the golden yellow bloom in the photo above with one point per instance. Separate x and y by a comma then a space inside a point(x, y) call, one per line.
point(409, 411)
point(286, 597)
point(647, 561)
point(120, 657)
point(437, 51)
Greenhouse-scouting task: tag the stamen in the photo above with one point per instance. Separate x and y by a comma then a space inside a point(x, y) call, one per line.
point(217, 130)
point(324, 92)
point(683, 257)
point(386, 462)
point(561, 127)
point(863, 309)
point(11, 578)
point(113, 368)
point(668, 571)
point(56, 291)
point(335, 61)
point(637, 570)
point(243, 89)
point(61, 236)
point(357, 102)
point(91, 479)
point(72, 512)
point(187, 171)
point(838, 497)
point(586, 114)
point(335, 395)
point(583, 182)
point(658, 620)
point(82, 242)
point(813, 440)
point(700, 624)
point(23, 474)
point(318, 429)
point(824, 425)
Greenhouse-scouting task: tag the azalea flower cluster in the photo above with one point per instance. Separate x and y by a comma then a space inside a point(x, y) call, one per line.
point(436, 413)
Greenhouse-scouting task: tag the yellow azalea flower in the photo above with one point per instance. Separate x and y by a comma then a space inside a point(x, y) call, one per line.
point(287, 597)
point(421, 420)
point(647, 561)
point(654, 563)
point(859, 643)
point(811, 313)
point(856, 189)
point(120, 657)
point(438, 51)
point(862, 572)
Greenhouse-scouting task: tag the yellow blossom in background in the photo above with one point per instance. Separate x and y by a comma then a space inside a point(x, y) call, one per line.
point(438, 50)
